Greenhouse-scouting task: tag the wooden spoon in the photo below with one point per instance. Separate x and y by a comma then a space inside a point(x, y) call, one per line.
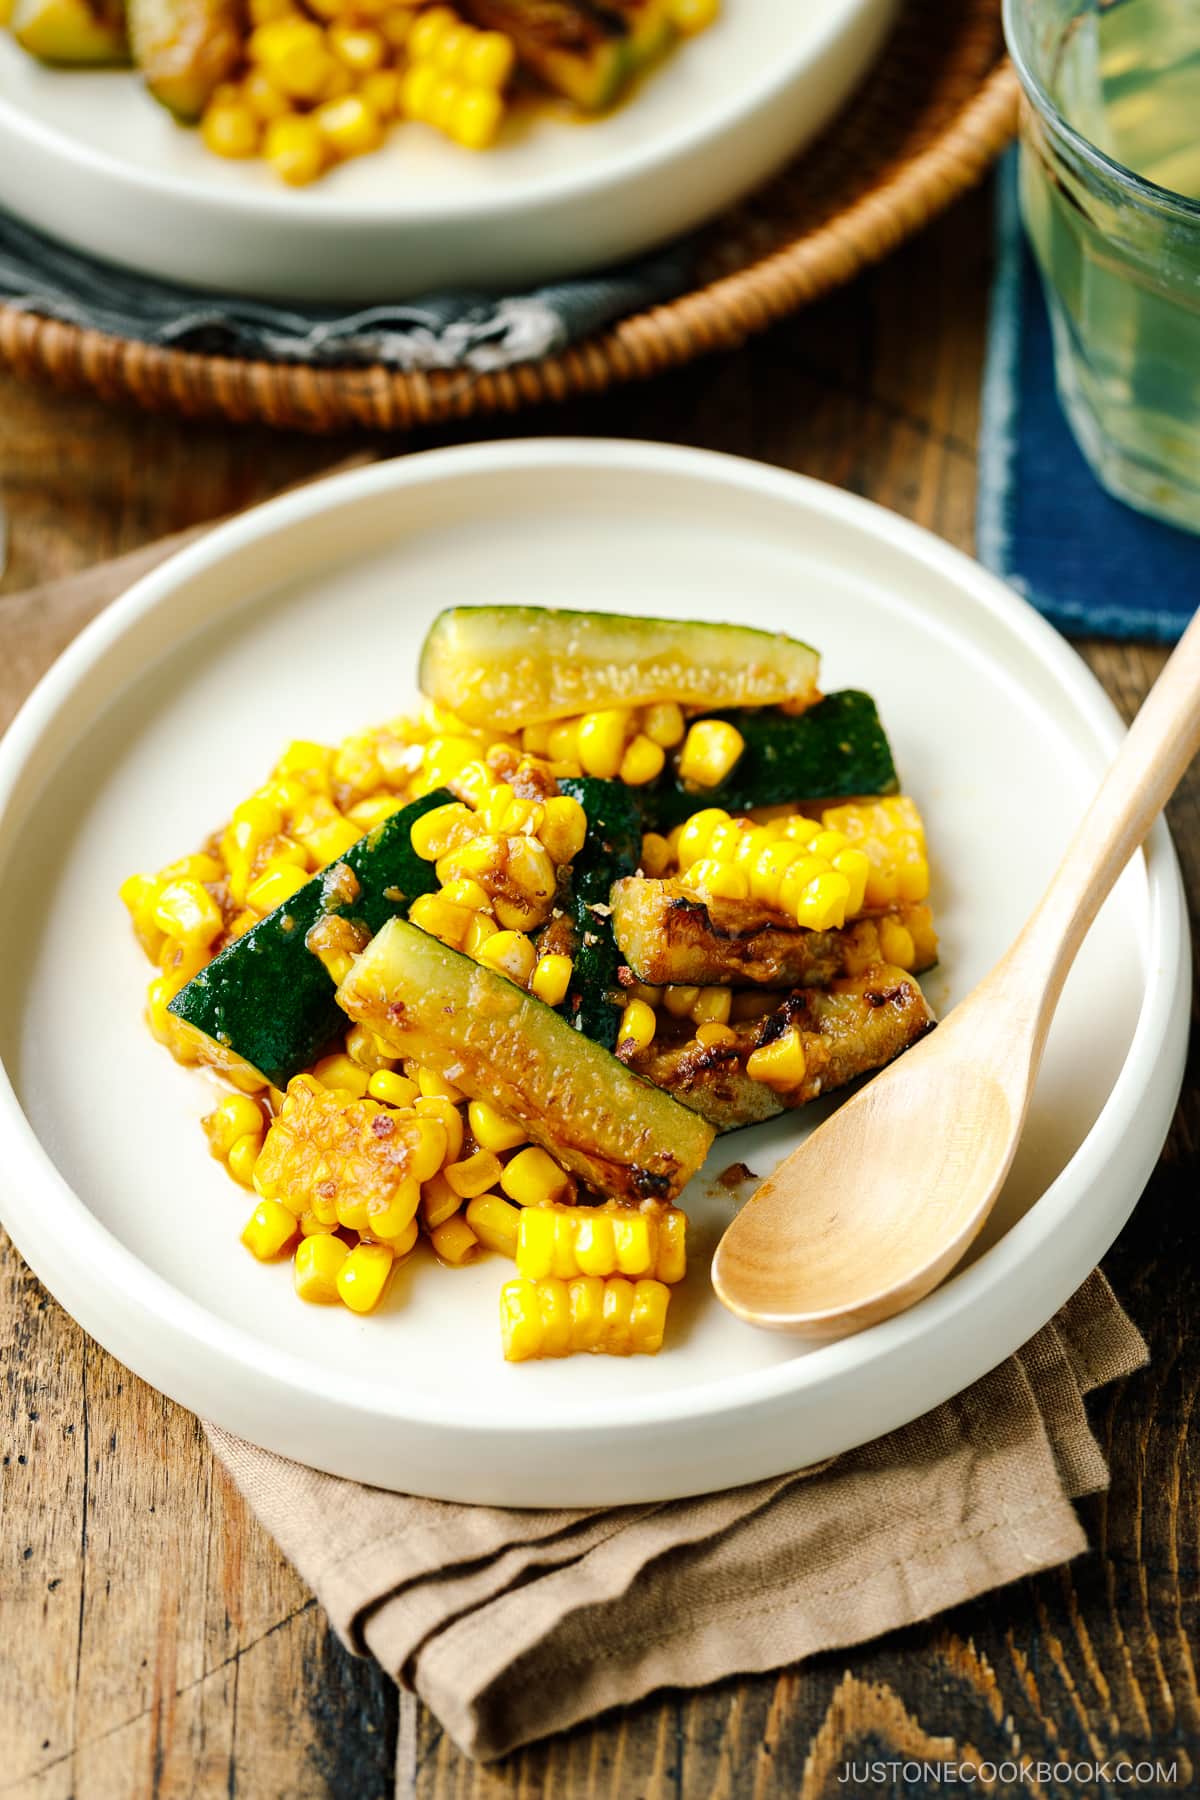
point(869, 1214)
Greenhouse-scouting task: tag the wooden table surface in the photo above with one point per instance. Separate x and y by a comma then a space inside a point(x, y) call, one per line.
point(154, 1642)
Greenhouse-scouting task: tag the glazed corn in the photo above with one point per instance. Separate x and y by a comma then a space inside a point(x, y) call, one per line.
point(565, 1241)
point(865, 855)
point(552, 1317)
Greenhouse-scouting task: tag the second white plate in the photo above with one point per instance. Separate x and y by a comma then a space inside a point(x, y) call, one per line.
point(92, 159)
point(304, 619)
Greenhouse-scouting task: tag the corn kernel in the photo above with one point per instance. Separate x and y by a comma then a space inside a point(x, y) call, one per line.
point(311, 1226)
point(474, 1175)
point(465, 892)
point(656, 855)
point(896, 944)
point(443, 829)
point(187, 911)
point(716, 880)
point(713, 1006)
point(263, 98)
point(435, 1087)
point(715, 1037)
point(391, 1219)
point(330, 839)
point(234, 1117)
point(479, 931)
point(691, 16)
point(679, 1001)
point(493, 1130)
point(663, 724)
point(564, 741)
point(435, 915)
point(510, 953)
point(368, 1051)
point(475, 117)
point(439, 1201)
point(200, 867)
point(396, 22)
point(230, 129)
point(710, 750)
point(520, 1321)
point(295, 149)
point(648, 1317)
point(428, 30)
point(292, 50)
point(822, 906)
point(602, 741)
point(317, 1265)
point(564, 828)
point(779, 1064)
point(361, 49)
point(381, 91)
point(855, 865)
point(642, 761)
point(363, 1276)
point(551, 979)
point(694, 834)
point(488, 60)
point(637, 1027)
point(243, 1156)
point(453, 1241)
point(435, 1106)
point(341, 1074)
point(797, 880)
point(585, 1298)
point(276, 885)
point(261, 12)
point(533, 1178)
point(392, 1089)
point(494, 1223)
point(615, 1337)
point(269, 1230)
point(531, 869)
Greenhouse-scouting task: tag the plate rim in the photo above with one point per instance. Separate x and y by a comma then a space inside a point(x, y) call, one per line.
point(194, 1329)
point(287, 206)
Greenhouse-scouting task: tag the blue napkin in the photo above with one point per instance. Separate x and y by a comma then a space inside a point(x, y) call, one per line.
point(457, 330)
point(1091, 564)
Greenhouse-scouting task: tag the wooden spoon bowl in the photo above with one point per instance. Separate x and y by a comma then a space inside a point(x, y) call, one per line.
point(881, 1202)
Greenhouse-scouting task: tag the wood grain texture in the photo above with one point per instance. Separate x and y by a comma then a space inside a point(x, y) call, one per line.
point(155, 1643)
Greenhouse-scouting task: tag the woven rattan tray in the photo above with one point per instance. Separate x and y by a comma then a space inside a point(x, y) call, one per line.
point(938, 108)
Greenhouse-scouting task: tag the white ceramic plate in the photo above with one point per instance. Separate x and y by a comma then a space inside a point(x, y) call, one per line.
point(89, 157)
point(304, 618)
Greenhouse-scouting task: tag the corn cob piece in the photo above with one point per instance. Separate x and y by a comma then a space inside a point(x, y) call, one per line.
point(815, 873)
point(357, 1164)
point(551, 1317)
point(565, 1241)
point(666, 935)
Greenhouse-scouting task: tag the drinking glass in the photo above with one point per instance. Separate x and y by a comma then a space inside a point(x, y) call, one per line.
point(1110, 195)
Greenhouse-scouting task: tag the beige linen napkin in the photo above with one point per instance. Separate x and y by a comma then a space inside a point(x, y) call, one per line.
point(514, 1624)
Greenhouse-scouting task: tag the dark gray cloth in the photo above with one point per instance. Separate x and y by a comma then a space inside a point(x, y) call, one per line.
point(440, 331)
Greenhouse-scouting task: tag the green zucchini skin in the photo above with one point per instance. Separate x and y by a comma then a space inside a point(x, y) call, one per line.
point(623, 1137)
point(268, 998)
point(832, 751)
point(612, 849)
point(506, 667)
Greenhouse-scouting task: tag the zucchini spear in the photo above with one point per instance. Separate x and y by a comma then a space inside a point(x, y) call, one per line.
point(185, 49)
point(80, 33)
point(479, 1030)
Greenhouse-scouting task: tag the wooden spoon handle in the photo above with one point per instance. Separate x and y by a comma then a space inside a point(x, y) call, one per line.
point(1160, 744)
